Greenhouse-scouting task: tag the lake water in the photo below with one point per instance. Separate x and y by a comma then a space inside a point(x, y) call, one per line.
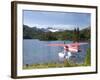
point(36, 51)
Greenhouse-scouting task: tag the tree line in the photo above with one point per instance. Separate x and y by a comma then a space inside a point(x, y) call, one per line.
point(74, 35)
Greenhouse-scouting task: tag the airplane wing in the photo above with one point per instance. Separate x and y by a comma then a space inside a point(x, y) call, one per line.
point(76, 44)
point(70, 44)
point(57, 45)
point(82, 43)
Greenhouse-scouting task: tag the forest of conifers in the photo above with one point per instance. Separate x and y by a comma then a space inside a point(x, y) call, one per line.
point(74, 35)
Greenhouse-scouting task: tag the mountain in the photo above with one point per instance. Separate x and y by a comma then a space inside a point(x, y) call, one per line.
point(50, 29)
point(29, 33)
point(53, 30)
point(56, 34)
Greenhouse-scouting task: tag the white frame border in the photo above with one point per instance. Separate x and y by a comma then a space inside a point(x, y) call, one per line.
point(50, 71)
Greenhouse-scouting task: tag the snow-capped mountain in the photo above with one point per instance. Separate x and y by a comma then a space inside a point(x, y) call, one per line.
point(48, 29)
point(51, 29)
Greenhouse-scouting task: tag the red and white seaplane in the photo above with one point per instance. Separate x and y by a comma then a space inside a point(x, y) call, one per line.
point(68, 49)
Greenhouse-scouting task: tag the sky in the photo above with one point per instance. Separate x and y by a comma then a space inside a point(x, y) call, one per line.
point(61, 20)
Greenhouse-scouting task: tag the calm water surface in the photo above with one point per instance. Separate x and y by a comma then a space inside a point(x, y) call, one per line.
point(36, 51)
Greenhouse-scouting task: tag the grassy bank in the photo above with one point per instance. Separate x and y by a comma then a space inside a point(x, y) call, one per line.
point(49, 65)
point(88, 58)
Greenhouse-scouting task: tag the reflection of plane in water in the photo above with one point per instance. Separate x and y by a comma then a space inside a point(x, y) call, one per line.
point(68, 49)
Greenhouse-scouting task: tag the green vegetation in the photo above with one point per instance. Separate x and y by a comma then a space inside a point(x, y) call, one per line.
point(51, 65)
point(88, 58)
point(42, 34)
point(48, 65)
